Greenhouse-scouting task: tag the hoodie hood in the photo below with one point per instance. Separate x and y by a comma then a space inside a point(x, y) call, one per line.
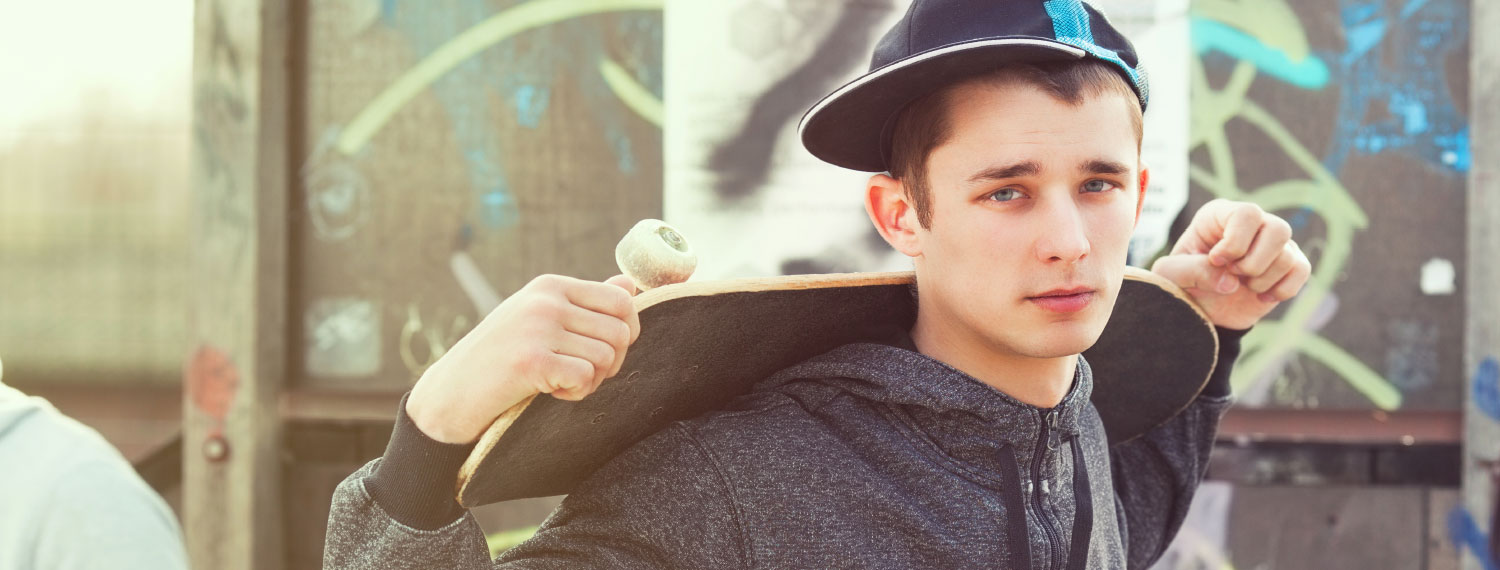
point(16, 407)
point(966, 418)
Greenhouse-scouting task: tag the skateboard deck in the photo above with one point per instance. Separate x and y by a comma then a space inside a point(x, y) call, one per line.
point(699, 349)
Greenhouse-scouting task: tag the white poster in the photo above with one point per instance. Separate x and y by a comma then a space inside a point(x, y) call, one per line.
point(739, 75)
point(1159, 31)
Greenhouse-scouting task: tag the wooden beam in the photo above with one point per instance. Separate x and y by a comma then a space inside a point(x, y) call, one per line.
point(1343, 426)
point(1482, 329)
point(238, 322)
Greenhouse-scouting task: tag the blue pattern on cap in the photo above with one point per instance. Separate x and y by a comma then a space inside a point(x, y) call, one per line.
point(1070, 23)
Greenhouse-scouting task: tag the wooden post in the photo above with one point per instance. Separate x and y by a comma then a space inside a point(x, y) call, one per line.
point(238, 317)
point(1474, 524)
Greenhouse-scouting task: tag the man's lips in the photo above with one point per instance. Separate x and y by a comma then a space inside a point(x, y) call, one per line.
point(1069, 300)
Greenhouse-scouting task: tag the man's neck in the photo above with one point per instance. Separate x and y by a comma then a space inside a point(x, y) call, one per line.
point(1041, 382)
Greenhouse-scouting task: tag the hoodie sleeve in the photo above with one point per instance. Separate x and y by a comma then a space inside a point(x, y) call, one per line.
point(1155, 475)
point(399, 512)
point(660, 504)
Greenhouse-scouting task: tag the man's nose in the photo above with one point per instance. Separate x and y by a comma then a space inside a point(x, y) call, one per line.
point(1063, 238)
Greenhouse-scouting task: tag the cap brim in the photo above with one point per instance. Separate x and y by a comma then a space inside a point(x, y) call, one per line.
point(847, 128)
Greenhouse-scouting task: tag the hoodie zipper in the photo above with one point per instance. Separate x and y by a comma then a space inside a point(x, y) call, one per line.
point(1039, 487)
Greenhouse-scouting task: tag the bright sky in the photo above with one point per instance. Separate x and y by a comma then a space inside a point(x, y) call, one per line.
point(137, 52)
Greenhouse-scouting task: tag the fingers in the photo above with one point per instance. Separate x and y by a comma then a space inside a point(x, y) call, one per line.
point(1270, 244)
point(622, 282)
point(1284, 278)
point(1206, 228)
point(600, 297)
point(612, 331)
point(1241, 223)
point(564, 336)
point(567, 377)
point(595, 325)
point(1195, 271)
point(600, 355)
point(1287, 288)
point(632, 318)
point(610, 298)
point(609, 329)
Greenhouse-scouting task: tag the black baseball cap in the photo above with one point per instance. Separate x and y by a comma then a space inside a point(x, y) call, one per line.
point(941, 42)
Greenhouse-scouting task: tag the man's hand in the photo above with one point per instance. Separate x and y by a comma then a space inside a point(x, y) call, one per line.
point(557, 335)
point(1237, 261)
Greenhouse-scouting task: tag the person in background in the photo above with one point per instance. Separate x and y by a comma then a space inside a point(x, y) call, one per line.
point(70, 501)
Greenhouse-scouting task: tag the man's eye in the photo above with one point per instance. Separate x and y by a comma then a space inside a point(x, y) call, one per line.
point(1005, 195)
point(1097, 186)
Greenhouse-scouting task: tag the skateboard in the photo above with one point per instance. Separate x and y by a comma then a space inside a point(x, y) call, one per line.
point(697, 351)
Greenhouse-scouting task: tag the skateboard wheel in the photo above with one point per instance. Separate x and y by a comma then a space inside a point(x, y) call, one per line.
point(653, 254)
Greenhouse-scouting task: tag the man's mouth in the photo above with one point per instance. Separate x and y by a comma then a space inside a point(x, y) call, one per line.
point(1068, 300)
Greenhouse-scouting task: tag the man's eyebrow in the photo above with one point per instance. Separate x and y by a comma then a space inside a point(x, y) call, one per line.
point(1102, 166)
point(1017, 170)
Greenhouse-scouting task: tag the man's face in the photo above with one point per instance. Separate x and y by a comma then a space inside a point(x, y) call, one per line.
point(1033, 203)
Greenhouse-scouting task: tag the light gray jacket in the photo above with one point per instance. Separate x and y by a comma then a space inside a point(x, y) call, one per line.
point(70, 501)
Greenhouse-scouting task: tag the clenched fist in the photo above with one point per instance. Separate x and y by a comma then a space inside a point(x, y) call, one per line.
point(1237, 261)
point(557, 335)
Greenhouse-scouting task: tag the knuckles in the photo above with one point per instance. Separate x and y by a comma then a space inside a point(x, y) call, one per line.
point(547, 283)
point(620, 335)
point(619, 299)
point(532, 360)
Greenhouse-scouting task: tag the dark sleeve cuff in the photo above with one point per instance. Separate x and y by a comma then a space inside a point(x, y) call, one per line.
point(1229, 351)
point(416, 478)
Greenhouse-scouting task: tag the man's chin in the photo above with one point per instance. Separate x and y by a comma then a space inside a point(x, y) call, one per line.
point(1064, 341)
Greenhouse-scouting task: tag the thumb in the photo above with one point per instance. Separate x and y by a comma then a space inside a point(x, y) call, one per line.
point(622, 282)
point(1195, 271)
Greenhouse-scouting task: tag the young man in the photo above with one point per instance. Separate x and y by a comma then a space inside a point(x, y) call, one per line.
point(1010, 132)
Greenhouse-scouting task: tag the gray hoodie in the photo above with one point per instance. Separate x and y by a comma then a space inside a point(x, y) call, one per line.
point(869, 456)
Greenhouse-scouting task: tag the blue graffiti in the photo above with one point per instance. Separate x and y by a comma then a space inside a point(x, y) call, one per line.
point(520, 74)
point(531, 104)
point(469, 116)
point(1362, 37)
point(1394, 90)
point(624, 156)
point(1486, 392)
point(1465, 533)
point(1210, 36)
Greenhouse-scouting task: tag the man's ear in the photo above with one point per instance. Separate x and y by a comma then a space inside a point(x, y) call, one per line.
point(894, 216)
point(1140, 196)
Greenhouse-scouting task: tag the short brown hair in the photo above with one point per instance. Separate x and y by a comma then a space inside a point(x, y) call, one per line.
point(924, 124)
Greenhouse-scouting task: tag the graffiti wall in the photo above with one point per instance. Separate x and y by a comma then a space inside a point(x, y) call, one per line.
point(1466, 523)
point(450, 152)
point(479, 143)
point(1348, 117)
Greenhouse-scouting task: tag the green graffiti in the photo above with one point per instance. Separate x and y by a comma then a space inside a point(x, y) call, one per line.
point(1272, 22)
point(493, 30)
point(635, 95)
point(1320, 192)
